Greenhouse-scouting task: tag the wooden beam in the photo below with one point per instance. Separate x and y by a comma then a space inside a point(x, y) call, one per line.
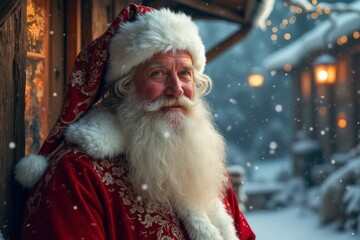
point(73, 33)
point(86, 22)
point(227, 43)
point(7, 8)
point(213, 9)
point(249, 9)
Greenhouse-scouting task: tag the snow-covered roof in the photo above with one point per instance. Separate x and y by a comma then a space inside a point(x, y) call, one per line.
point(305, 146)
point(293, 53)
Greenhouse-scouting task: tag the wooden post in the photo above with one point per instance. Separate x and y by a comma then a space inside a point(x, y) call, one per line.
point(12, 82)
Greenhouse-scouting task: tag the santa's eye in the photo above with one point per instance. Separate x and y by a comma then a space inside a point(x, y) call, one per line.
point(185, 73)
point(157, 74)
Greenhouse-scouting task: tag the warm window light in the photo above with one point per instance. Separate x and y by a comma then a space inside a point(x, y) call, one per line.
point(306, 84)
point(256, 77)
point(342, 123)
point(287, 67)
point(325, 69)
point(356, 35)
point(322, 111)
point(341, 120)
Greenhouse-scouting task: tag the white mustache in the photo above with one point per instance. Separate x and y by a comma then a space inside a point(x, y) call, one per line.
point(164, 101)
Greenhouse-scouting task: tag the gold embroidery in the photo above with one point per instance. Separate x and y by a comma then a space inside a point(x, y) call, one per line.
point(148, 214)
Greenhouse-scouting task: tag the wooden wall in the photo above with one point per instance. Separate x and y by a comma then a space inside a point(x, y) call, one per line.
point(12, 84)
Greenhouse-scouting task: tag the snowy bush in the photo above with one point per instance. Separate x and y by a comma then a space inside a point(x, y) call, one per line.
point(287, 194)
point(352, 210)
point(340, 196)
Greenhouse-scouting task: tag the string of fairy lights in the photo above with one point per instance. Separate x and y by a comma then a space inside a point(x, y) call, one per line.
point(297, 10)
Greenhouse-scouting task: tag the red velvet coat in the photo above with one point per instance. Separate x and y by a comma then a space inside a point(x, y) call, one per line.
point(82, 198)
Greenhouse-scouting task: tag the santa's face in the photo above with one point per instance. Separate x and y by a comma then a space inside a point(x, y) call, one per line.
point(165, 75)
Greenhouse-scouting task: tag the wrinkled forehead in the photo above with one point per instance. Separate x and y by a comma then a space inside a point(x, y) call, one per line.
point(180, 59)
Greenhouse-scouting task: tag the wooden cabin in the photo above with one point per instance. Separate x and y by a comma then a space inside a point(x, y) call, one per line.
point(325, 110)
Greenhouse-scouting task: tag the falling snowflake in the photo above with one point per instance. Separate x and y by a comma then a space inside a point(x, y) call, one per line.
point(166, 134)
point(278, 108)
point(12, 145)
point(144, 187)
point(232, 101)
point(273, 145)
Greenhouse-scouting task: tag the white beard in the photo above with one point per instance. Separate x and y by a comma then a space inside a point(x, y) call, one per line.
point(175, 159)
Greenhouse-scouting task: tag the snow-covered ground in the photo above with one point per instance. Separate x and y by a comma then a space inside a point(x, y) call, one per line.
point(293, 223)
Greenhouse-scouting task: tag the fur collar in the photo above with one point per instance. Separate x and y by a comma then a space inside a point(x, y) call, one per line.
point(98, 134)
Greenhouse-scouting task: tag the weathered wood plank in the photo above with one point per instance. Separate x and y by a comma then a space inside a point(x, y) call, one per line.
point(12, 82)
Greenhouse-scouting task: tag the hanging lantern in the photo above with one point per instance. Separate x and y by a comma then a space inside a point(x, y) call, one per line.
point(256, 77)
point(325, 69)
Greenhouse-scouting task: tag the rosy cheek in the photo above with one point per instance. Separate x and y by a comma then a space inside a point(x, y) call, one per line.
point(189, 90)
point(152, 91)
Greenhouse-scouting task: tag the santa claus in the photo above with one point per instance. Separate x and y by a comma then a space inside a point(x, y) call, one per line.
point(135, 153)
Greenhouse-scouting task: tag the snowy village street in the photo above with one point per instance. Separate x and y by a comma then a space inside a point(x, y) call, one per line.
point(293, 223)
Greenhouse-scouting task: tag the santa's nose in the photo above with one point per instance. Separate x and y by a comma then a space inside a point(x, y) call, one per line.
point(174, 86)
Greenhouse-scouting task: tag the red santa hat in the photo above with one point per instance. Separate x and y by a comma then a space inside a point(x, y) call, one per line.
point(137, 33)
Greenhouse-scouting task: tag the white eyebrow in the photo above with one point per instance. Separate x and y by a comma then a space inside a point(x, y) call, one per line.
point(154, 65)
point(189, 67)
point(160, 65)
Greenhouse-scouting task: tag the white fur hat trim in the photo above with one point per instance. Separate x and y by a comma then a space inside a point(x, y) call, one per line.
point(98, 134)
point(158, 31)
point(30, 169)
